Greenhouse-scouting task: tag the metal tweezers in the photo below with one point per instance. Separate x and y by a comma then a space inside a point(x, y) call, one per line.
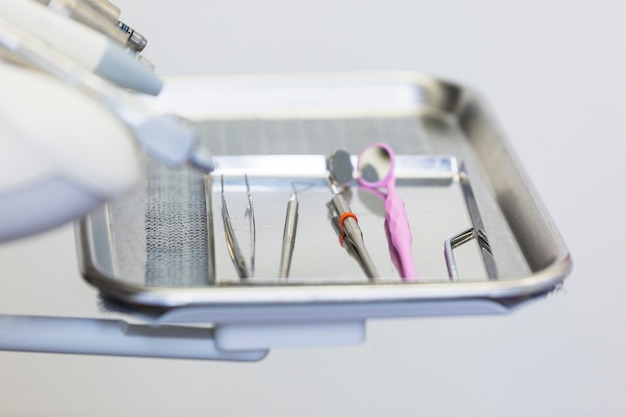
point(477, 231)
point(234, 250)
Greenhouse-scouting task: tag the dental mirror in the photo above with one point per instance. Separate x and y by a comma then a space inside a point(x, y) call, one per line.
point(375, 166)
point(345, 222)
point(340, 168)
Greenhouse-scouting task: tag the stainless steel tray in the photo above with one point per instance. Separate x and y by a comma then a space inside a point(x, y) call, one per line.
point(436, 126)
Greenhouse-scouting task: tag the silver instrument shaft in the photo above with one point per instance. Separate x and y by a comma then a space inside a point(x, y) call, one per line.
point(353, 236)
point(289, 236)
point(252, 225)
point(236, 255)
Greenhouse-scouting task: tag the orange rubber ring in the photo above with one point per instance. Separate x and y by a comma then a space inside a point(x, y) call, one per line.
point(344, 216)
point(341, 238)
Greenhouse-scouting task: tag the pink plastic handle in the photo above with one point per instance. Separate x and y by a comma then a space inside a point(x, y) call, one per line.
point(400, 232)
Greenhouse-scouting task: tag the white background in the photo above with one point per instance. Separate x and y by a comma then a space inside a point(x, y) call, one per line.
point(553, 73)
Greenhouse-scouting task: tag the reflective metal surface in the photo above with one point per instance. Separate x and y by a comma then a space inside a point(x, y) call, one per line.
point(289, 234)
point(452, 126)
point(477, 231)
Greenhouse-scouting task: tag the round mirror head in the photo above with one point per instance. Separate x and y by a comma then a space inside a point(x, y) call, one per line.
point(340, 167)
point(375, 165)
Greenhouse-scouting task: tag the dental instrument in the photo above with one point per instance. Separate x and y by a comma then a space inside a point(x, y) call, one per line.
point(289, 234)
point(234, 250)
point(167, 137)
point(92, 50)
point(244, 269)
point(102, 16)
point(376, 169)
point(252, 225)
point(477, 231)
point(340, 173)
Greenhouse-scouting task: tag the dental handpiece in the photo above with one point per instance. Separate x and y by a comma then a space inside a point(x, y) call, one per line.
point(102, 16)
point(167, 137)
point(289, 235)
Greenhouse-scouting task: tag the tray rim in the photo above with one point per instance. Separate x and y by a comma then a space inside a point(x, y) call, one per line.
point(543, 281)
point(443, 98)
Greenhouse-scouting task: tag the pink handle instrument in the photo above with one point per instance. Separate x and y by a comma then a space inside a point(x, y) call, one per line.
point(375, 166)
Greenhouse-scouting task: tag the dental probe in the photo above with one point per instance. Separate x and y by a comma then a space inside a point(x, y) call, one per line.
point(252, 226)
point(289, 235)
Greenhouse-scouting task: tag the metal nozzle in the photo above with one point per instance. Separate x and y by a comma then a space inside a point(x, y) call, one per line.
point(135, 40)
point(102, 16)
